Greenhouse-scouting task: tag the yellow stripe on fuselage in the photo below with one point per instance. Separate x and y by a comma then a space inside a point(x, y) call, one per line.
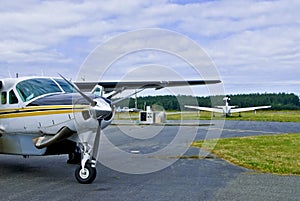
point(36, 108)
point(39, 111)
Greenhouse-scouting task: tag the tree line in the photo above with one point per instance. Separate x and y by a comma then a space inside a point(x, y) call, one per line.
point(278, 101)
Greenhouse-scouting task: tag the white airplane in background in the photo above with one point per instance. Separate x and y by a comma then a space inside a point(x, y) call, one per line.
point(227, 109)
point(127, 109)
point(49, 116)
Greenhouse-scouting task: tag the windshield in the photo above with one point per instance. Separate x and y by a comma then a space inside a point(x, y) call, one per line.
point(65, 86)
point(29, 89)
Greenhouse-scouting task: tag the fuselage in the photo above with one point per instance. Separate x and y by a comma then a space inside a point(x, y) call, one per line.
point(31, 107)
point(226, 108)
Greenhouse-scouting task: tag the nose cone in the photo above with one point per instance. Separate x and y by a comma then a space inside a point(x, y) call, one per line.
point(102, 108)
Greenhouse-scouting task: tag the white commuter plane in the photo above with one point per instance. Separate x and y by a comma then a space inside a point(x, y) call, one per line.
point(50, 116)
point(227, 109)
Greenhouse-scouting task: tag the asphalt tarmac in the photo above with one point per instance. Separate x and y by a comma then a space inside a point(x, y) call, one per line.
point(51, 178)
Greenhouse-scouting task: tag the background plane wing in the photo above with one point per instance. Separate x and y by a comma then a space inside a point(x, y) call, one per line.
point(209, 109)
point(113, 86)
point(248, 109)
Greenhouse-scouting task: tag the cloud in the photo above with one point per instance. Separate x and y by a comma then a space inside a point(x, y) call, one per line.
point(247, 40)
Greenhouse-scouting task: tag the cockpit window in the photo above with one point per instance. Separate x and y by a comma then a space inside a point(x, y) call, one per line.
point(12, 97)
point(29, 89)
point(65, 86)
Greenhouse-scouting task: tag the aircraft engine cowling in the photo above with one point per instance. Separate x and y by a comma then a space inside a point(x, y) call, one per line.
point(87, 117)
point(107, 121)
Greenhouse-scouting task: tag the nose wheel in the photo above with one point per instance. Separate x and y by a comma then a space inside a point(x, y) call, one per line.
point(85, 175)
point(86, 172)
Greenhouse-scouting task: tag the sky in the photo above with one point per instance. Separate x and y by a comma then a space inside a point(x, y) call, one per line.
point(254, 45)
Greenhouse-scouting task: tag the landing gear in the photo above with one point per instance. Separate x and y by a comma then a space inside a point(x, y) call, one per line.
point(86, 175)
point(86, 172)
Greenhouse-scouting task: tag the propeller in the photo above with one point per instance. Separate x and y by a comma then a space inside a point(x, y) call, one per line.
point(100, 108)
point(88, 127)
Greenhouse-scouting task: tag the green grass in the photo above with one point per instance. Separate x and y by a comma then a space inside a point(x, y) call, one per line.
point(126, 116)
point(270, 115)
point(192, 115)
point(278, 154)
point(261, 115)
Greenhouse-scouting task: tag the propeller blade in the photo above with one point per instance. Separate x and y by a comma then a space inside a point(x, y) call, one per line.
point(90, 100)
point(96, 145)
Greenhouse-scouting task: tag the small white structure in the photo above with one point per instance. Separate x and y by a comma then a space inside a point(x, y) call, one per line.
point(150, 117)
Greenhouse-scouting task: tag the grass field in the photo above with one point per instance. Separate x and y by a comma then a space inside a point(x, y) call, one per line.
point(261, 115)
point(279, 154)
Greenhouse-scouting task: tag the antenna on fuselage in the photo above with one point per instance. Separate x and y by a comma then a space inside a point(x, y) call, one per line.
point(9, 73)
point(17, 75)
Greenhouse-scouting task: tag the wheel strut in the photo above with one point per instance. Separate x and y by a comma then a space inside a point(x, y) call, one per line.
point(86, 172)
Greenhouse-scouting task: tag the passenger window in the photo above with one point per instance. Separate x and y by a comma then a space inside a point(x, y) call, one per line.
point(12, 97)
point(3, 98)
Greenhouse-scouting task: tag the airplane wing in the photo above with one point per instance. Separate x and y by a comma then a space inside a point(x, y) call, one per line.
point(209, 109)
point(248, 109)
point(114, 86)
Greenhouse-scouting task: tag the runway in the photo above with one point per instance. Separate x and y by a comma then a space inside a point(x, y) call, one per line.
point(51, 178)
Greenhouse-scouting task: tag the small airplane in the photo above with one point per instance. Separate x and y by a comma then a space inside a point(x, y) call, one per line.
point(50, 116)
point(127, 109)
point(227, 110)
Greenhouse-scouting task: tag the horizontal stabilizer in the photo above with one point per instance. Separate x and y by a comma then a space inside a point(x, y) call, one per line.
point(47, 140)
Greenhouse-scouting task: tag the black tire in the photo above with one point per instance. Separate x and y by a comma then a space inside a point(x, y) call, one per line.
point(86, 177)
